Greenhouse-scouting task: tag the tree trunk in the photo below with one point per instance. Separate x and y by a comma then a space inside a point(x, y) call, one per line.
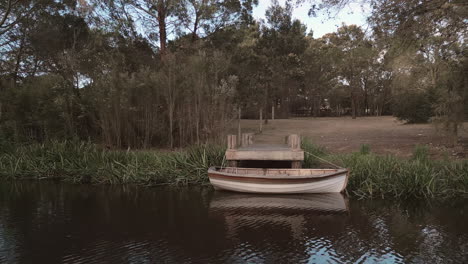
point(162, 26)
point(239, 131)
point(195, 27)
point(317, 101)
point(261, 123)
point(18, 61)
point(353, 106)
point(266, 105)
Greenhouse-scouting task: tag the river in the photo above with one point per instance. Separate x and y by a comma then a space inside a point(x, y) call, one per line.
point(47, 222)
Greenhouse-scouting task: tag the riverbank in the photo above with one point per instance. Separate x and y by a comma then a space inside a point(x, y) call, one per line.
point(372, 175)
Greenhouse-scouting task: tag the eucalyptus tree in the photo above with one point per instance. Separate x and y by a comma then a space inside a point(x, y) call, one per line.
point(281, 44)
point(352, 55)
point(319, 75)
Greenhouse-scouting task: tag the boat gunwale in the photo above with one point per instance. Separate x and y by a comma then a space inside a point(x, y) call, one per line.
point(336, 172)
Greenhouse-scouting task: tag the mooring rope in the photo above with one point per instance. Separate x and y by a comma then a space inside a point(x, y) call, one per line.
point(324, 160)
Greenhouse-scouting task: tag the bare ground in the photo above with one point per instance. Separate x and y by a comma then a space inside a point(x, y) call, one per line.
point(384, 135)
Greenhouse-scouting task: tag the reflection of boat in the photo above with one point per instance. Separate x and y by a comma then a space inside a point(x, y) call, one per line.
point(254, 211)
point(327, 202)
point(255, 180)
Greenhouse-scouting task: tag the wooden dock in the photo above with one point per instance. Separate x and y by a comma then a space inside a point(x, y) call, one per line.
point(247, 150)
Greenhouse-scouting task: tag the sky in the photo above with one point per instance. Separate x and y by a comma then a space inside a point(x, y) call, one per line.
point(322, 24)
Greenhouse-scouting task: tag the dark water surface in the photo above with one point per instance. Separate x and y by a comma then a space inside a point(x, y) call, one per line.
point(51, 222)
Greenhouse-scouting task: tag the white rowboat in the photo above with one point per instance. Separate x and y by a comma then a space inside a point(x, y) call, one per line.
point(257, 180)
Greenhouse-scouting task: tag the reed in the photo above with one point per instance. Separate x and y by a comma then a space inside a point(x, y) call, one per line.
point(86, 162)
point(389, 176)
point(371, 175)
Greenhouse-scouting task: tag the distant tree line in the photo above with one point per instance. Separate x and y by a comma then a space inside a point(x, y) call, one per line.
point(145, 73)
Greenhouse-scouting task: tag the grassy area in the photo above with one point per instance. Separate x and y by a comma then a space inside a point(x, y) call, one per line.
point(85, 162)
point(371, 175)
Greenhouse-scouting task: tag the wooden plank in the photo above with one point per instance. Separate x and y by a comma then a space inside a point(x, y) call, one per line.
point(265, 147)
point(265, 155)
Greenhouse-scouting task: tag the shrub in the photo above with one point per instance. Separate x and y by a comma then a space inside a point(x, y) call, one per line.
point(413, 107)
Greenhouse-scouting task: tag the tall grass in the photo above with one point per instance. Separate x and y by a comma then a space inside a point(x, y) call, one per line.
point(85, 162)
point(389, 176)
point(371, 175)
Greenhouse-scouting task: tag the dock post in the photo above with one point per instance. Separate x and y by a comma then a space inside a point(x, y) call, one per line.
point(294, 142)
point(296, 164)
point(232, 142)
point(232, 145)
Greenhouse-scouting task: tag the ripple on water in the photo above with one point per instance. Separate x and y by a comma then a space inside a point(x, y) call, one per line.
point(76, 224)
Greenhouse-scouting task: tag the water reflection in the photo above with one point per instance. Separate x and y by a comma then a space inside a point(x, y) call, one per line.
point(280, 204)
point(278, 220)
point(52, 223)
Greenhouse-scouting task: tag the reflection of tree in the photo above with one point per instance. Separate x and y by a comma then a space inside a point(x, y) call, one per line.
point(50, 222)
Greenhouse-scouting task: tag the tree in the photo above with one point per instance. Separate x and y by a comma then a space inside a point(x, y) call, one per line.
point(280, 46)
point(201, 18)
point(353, 54)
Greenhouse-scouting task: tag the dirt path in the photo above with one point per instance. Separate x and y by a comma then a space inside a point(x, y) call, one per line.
point(385, 135)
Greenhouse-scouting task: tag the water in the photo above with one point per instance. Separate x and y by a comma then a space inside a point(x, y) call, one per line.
point(51, 222)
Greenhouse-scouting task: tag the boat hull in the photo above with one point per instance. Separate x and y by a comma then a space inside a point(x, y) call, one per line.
point(333, 183)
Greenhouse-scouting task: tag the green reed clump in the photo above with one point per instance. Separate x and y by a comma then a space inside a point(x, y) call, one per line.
point(389, 176)
point(86, 162)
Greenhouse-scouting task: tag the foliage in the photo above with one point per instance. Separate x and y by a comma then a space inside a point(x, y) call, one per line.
point(413, 107)
point(142, 74)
